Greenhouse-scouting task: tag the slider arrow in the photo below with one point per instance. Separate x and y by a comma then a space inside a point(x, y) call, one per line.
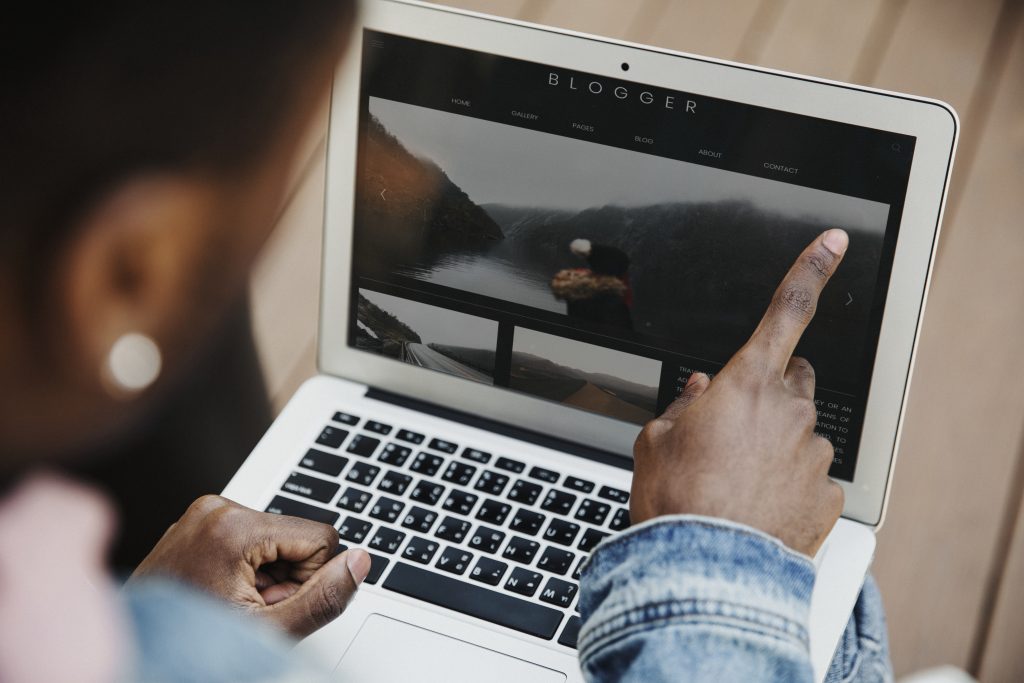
point(382, 194)
point(850, 300)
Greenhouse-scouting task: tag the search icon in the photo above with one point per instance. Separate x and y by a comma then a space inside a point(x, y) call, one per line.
point(896, 147)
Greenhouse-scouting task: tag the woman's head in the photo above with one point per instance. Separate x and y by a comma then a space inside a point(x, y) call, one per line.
point(146, 149)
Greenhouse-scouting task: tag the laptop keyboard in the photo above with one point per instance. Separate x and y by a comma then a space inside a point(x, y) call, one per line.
point(454, 526)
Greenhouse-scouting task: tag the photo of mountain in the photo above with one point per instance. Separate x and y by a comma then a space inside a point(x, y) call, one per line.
point(585, 376)
point(676, 255)
point(426, 336)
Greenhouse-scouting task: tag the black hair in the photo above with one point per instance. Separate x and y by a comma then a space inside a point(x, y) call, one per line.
point(93, 92)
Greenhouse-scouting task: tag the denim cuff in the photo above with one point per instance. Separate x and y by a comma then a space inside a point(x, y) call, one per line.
point(689, 569)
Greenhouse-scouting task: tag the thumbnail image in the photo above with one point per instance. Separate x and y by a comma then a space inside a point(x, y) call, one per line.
point(427, 336)
point(581, 375)
point(685, 255)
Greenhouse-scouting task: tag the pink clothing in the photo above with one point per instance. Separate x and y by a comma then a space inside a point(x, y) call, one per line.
point(58, 615)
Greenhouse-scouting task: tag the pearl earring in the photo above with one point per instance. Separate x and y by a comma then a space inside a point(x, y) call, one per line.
point(132, 364)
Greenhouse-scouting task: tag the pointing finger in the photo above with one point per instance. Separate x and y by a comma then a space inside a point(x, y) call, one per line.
point(796, 299)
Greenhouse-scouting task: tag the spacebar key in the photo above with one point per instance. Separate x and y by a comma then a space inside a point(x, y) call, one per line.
point(475, 601)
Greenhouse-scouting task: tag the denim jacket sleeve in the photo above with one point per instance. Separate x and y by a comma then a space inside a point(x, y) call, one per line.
point(700, 599)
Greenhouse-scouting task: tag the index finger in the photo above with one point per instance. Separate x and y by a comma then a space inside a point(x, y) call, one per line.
point(796, 298)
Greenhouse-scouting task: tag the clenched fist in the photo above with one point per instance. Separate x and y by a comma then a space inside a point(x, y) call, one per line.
point(285, 569)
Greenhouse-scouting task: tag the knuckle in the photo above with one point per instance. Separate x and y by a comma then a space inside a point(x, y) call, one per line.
point(204, 505)
point(819, 263)
point(836, 498)
point(797, 301)
point(648, 436)
point(325, 604)
point(805, 412)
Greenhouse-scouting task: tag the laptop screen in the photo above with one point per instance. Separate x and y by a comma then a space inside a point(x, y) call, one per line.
point(593, 241)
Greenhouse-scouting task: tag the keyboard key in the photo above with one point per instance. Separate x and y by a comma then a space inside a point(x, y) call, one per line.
point(620, 521)
point(460, 501)
point(443, 446)
point(377, 427)
point(459, 473)
point(345, 418)
point(363, 445)
point(558, 592)
point(493, 511)
point(394, 482)
point(579, 568)
point(593, 512)
point(387, 540)
point(525, 492)
point(310, 487)
point(561, 531)
point(475, 601)
point(570, 633)
point(426, 464)
point(452, 529)
point(354, 499)
point(558, 502)
point(454, 560)
point(419, 519)
point(616, 495)
point(591, 537)
point(387, 509)
point(523, 581)
point(488, 571)
point(293, 508)
point(427, 492)
point(411, 437)
point(482, 457)
point(486, 539)
point(577, 484)
point(510, 465)
point(354, 530)
point(420, 550)
point(331, 436)
point(545, 475)
point(324, 463)
point(363, 473)
point(556, 560)
point(377, 566)
point(491, 482)
point(527, 522)
point(393, 454)
point(521, 550)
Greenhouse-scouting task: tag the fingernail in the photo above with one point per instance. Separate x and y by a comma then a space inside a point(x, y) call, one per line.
point(358, 562)
point(836, 241)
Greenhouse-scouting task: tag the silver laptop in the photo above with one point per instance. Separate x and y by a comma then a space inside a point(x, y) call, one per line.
point(532, 238)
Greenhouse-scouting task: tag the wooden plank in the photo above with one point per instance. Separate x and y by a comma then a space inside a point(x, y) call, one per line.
point(990, 219)
point(1002, 660)
point(285, 283)
point(938, 49)
point(500, 8)
point(962, 431)
point(821, 38)
point(713, 29)
point(611, 18)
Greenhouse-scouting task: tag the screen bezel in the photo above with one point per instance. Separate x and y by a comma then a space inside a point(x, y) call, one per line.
point(933, 123)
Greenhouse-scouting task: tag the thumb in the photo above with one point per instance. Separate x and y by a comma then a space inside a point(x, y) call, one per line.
point(695, 387)
point(323, 596)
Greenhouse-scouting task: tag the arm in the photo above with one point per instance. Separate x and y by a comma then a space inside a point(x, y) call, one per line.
point(732, 497)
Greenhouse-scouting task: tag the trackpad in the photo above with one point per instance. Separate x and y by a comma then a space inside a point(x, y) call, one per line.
point(390, 651)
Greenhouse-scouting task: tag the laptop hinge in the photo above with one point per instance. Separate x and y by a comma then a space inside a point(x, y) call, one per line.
point(552, 442)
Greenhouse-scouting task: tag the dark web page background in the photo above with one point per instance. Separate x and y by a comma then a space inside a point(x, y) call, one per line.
point(593, 241)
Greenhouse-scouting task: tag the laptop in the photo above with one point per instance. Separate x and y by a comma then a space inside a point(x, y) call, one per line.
point(532, 238)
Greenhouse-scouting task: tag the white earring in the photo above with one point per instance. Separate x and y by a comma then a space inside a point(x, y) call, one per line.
point(133, 363)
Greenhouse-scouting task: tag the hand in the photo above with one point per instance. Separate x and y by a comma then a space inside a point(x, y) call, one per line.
point(743, 447)
point(282, 568)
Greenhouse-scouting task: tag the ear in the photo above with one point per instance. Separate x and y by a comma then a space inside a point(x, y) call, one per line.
point(132, 267)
